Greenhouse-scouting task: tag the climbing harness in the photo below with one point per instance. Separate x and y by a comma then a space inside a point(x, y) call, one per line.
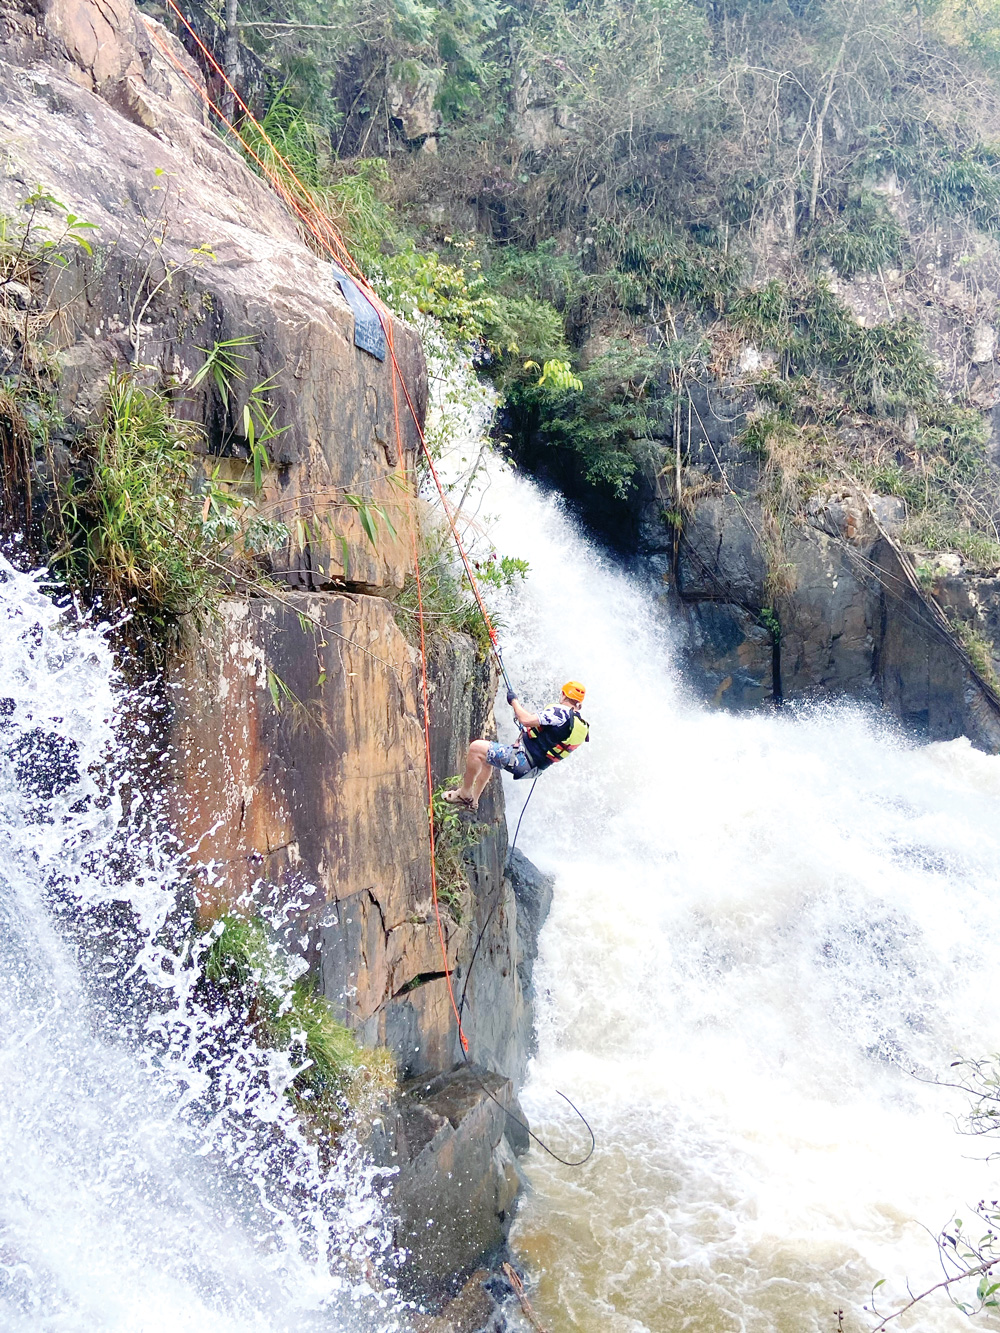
point(356, 290)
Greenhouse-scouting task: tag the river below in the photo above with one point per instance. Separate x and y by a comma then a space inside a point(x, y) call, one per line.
point(771, 934)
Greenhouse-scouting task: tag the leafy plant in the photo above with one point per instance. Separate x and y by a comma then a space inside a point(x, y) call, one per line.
point(769, 619)
point(453, 837)
point(135, 521)
point(132, 524)
point(43, 241)
point(763, 427)
point(223, 364)
point(448, 601)
point(862, 238)
point(928, 531)
point(764, 313)
point(243, 966)
point(558, 375)
point(369, 513)
point(601, 420)
point(501, 572)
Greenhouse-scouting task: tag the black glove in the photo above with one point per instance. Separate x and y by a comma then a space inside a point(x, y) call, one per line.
point(511, 696)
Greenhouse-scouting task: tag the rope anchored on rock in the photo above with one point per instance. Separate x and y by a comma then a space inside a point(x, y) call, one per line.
point(281, 176)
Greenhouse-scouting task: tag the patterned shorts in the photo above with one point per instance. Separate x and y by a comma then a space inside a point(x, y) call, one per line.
point(510, 758)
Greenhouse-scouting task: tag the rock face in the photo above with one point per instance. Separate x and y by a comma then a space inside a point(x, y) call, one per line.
point(297, 771)
point(194, 249)
point(459, 1177)
point(832, 610)
point(412, 104)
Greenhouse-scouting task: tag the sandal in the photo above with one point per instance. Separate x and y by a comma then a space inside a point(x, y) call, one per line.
point(463, 802)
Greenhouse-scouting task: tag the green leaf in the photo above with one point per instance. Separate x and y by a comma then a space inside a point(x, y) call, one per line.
point(386, 519)
point(368, 523)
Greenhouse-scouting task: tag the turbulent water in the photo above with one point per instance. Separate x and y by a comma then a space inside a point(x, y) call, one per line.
point(152, 1176)
point(770, 935)
point(763, 927)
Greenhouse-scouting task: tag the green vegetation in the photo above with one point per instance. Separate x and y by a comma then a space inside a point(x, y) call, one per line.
point(979, 649)
point(243, 967)
point(502, 572)
point(602, 418)
point(628, 169)
point(862, 238)
point(448, 599)
point(136, 520)
point(453, 837)
point(128, 515)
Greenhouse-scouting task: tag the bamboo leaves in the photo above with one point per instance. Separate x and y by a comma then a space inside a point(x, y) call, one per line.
point(369, 513)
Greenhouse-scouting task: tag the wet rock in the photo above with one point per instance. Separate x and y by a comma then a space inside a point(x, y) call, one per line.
point(828, 620)
point(301, 795)
point(457, 1182)
point(920, 676)
point(473, 1310)
point(720, 555)
point(500, 992)
point(730, 653)
point(533, 895)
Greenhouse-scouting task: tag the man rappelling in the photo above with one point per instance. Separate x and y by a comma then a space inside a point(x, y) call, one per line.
point(546, 737)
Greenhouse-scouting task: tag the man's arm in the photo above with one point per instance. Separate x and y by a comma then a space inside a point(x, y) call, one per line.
point(525, 718)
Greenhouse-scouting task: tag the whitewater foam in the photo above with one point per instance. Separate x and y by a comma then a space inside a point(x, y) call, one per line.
point(150, 1175)
point(767, 930)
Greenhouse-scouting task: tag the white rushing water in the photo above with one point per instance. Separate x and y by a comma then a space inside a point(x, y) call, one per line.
point(152, 1176)
point(762, 926)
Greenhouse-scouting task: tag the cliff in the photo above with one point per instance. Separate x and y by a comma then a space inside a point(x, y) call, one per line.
point(294, 742)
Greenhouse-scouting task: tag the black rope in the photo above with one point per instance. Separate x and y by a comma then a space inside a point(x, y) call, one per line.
point(565, 1161)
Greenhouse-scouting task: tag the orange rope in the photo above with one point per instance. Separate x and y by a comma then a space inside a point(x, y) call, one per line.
point(325, 233)
point(323, 230)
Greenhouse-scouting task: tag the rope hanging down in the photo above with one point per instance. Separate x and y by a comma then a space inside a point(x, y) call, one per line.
point(328, 238)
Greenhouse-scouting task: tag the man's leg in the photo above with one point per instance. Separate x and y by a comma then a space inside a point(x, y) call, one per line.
point(485, 774)
point(477, 770)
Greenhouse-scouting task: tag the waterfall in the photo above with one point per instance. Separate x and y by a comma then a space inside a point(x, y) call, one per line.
point(769, 932)
point(770, 935)
point(150, 1178)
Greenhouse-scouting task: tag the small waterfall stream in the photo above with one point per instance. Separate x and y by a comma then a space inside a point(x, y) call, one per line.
point(763, 925)
point(134, 1194)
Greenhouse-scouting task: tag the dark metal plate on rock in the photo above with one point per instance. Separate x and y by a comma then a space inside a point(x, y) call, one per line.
point(369, 334)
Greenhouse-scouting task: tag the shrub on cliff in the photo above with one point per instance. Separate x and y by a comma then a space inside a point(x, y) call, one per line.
point(269, 993)
point(137, 522)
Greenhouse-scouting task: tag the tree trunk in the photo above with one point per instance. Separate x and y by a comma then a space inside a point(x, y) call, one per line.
point(820, 119)
point(229, 59)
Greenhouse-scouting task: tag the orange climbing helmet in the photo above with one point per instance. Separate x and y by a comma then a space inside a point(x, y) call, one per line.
point(574, 690)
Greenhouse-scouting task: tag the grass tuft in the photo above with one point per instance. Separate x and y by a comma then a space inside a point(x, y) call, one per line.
point(340, 1079)
point(453, 837)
